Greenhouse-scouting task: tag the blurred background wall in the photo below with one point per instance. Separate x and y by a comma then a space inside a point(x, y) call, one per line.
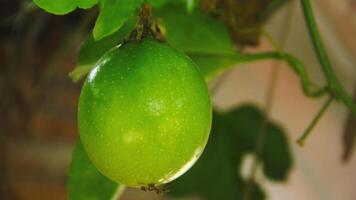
point(38, 101)
point(319, 172)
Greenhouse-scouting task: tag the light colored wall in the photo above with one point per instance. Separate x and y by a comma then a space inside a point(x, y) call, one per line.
point(318, 172)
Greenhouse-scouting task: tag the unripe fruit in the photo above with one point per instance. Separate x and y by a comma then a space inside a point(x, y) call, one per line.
point(144, 113)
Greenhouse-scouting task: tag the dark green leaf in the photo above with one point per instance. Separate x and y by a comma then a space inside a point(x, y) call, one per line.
point(216, 175)
point(61, 7)
point(276, 156)
point(86, 182)
point(113, 14)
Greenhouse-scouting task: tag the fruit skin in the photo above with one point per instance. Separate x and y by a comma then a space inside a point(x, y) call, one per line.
point(144, 113)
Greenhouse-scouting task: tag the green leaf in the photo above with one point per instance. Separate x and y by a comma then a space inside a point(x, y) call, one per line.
point(193, 33)
point(208, 44)
point(86, 182)
point(216, 175)
point(113, 14)
point(157, 3)
point(61, 7)
point(90, 51)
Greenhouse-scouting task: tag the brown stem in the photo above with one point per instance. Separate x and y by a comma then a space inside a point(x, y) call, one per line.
point(349, 135)
point(146, 26)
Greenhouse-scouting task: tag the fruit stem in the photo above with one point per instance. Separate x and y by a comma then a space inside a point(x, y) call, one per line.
point(146, 26)
point(145, 17)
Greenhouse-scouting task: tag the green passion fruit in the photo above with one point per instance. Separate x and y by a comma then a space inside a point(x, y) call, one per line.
point(144, 113)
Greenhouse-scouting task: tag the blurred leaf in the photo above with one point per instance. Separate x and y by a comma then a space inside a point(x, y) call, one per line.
point(276, 156)
point(90, 51)
point(157, 3)
point(112, 16)
point(61, 7)
point(193, 33)
point(216, 175)
point(208, 44)
point(86, 182)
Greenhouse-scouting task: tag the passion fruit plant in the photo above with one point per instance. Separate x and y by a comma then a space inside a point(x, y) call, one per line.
point(145, 114)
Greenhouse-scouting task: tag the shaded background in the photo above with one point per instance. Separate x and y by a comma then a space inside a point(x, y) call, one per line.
point(38, 101)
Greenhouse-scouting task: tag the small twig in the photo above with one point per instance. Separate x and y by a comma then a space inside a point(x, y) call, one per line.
point(306, 133)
